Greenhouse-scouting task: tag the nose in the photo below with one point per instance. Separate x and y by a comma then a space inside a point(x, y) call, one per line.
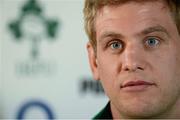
point(133, 59)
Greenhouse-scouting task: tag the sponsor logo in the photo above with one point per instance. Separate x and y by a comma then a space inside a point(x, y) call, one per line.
point(90, 86)
point(39, 105)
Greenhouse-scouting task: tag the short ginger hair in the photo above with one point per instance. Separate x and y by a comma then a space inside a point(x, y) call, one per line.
point(91, 8)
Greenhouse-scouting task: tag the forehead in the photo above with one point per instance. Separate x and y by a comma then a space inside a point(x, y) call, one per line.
point(132, 16)
point(118, 3)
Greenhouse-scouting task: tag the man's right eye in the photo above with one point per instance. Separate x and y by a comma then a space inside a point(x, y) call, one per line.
point(116, 45)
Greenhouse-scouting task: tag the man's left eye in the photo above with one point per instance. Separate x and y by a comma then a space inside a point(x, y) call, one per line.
point(151, 42)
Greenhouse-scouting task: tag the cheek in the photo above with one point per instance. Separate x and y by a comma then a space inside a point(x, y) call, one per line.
point(108, 66)
point(166, 71)
point(108, 71)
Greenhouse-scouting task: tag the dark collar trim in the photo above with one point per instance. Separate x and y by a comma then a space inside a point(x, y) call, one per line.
point(104, 113)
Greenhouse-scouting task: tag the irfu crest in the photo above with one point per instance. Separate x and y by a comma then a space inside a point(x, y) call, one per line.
point(33, 25)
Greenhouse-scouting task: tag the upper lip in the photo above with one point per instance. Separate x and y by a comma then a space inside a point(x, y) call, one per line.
point(136, 83)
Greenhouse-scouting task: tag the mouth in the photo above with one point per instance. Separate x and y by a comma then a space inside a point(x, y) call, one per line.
point(139, 85)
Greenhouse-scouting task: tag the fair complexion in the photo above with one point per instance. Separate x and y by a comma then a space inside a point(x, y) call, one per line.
point(138, 59)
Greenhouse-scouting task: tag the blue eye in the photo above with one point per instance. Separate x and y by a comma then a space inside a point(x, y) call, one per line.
point(152, 42)
point(116, 45)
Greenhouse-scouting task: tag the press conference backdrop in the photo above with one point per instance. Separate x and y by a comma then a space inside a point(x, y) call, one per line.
point(44, 67)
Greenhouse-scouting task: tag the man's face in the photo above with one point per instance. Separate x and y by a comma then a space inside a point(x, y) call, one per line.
point(138, 59)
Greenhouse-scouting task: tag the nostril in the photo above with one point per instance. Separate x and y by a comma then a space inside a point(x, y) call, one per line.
point(126, 69)
point(133, 68)
point(140, 68)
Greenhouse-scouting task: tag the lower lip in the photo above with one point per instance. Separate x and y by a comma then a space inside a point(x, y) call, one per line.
point(136, 88)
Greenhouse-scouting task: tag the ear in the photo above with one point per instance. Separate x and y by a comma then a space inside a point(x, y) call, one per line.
point(93, 61)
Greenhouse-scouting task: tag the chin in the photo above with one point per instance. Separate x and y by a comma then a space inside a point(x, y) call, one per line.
point(141, 110)
point(135, 114)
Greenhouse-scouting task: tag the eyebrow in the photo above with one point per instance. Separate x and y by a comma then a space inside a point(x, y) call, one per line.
point(146, 31)
point(110, 34)
point(157, 28)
